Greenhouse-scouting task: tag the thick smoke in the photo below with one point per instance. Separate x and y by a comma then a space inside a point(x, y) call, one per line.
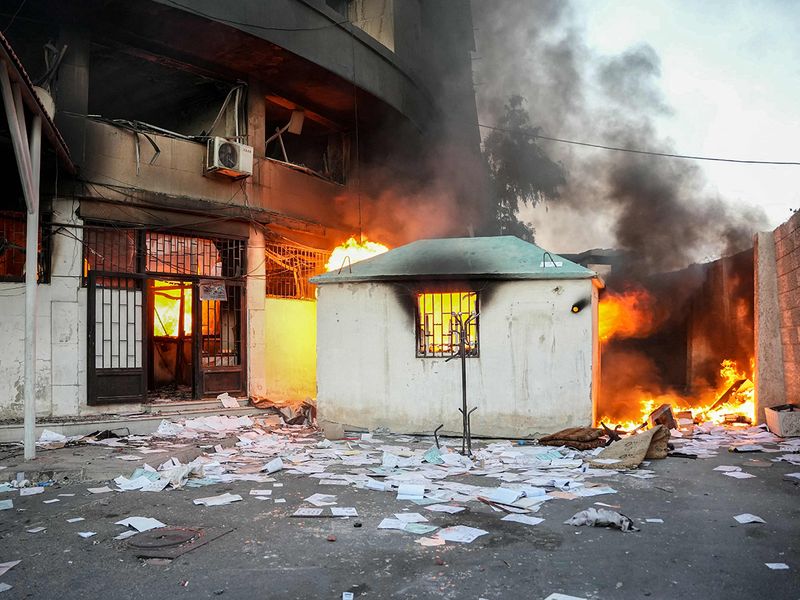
point(657, 209)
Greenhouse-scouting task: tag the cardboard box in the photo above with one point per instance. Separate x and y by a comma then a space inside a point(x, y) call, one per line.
point(784, 420)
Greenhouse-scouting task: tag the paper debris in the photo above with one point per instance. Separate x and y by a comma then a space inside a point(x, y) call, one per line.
point(727, 468)
point(66, 495)
point(260, 492)
point(410, 492)
point(777, 566)
point(30, 491)
point(430, 541)
point(220, 500)
point(738, 474)
point(505, 495)
point(4, 587)
point(410, 518)
point(748, 518)
point(7, 566)
point(129, 457)
point(321, 499)
point(461, 534)
point(654, 520)
point(391, 524)
point(524, 519)
point(307, 512)
point(49, 437)
point(51, 501)
point(87, 534)
point(795, 475)
point(602, 518)
point(126, 534)
point(280, 500)
point(273, 466)
point(445, 508)
point(99, 490)
point(141, 523)
point(347, 595)
point(228, 401)
point(6, 504)
point(75, 520)
point(344, 511)
point(36, 529)
point(419, 528)
point(557, 596)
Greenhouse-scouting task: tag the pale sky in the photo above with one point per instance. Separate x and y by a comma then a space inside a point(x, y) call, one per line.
point(731, 72)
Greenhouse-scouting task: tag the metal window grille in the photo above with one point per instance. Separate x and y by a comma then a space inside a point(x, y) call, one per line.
point(118, 323)
point(109, 249)
point(13, 233)
point(173, 254)
point(437, 331)
point(288, 268)
point(221, 329)
point(128, 250)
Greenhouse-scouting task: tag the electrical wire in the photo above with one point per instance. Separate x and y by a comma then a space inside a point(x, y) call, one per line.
point(638, 151)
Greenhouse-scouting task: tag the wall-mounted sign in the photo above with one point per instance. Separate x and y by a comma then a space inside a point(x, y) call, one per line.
point(213, 290)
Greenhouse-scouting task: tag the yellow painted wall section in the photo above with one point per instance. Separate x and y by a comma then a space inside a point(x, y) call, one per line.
point(290, 335)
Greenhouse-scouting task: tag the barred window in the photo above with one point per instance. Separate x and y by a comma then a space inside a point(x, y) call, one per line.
point(288, 268)
point(440, 317)
point(13, 233)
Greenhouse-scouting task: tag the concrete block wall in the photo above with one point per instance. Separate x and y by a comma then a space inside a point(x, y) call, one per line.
point(787, 263)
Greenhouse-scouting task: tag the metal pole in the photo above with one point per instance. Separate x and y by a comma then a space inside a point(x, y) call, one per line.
point(463, 350)
point(31, 276)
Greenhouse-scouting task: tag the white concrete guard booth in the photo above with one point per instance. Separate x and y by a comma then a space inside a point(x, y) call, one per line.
point(387, 326)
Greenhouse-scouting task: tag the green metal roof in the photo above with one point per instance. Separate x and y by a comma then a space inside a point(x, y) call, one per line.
point(500, 257)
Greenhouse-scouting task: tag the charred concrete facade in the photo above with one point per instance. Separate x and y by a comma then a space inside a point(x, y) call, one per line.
point(140, 90)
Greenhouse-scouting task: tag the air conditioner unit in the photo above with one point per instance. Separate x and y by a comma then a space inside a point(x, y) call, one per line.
point(230, 159)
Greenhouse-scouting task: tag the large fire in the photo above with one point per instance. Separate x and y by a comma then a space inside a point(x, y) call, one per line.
point(169, 298)
point(353, 251)
point(631, 314)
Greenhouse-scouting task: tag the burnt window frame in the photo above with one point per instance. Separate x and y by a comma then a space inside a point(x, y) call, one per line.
point(290, 281)
point(45, 246)
point(232, 250)
point(420, 347)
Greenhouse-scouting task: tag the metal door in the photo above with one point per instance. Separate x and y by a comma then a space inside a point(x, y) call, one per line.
point(117, 355)
point(221, 331)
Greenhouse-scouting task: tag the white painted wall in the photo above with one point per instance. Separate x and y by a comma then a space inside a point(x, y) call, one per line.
point(61, 334)
point(534, 373)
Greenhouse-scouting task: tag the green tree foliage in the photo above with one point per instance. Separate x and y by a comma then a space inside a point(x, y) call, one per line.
point(520, 172)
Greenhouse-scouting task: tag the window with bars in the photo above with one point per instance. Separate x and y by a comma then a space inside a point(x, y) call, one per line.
point(441, 317)
point(129, 250)
point(288, 268)
point(13, 228)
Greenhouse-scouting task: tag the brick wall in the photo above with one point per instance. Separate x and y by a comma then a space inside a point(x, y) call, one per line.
point(787, 260)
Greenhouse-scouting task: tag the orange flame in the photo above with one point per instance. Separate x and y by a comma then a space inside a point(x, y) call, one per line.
point(353, 251)
point(627, 314)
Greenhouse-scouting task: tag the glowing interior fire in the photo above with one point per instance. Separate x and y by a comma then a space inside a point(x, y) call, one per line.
point(353, 251)
point(167, 308)
point(438, 318)
point(625, 315)
point(630, 314)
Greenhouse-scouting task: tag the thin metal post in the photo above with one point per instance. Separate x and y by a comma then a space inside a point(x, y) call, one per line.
point(31, 276)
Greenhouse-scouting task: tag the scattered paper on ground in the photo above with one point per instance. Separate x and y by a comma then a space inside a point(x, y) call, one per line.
point(461, 534)
point(220, 500)
point(748, 518)
point(525, 519)
point(141, 523)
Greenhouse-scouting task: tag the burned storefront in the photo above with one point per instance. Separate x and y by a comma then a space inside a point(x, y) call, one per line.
point(525, 319)
point(219, 158)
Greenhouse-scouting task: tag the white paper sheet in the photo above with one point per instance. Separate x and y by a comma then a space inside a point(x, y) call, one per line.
point(749, 518)
point(87, 534)
point(75, 520)
point(6, 504)
point(99, 490)
point(777, 566)
point(524, 519)
point(738, 474)
point(344, 511)
point(141, 523)
point(410, 492)
point(445, 508)
point(220, 500)
point(307, 512)
point(391, 524)
point(30, 491)
point(461, 534)
point(410, 518)
point(7, 566)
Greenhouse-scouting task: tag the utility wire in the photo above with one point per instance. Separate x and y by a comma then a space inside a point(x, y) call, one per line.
point(638, 151)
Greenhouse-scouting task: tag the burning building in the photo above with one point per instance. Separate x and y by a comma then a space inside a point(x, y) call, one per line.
point(222, 152)
point(524, 319)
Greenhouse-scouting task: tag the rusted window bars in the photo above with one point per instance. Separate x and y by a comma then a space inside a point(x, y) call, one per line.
point(288, 268)
point(437, 334)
